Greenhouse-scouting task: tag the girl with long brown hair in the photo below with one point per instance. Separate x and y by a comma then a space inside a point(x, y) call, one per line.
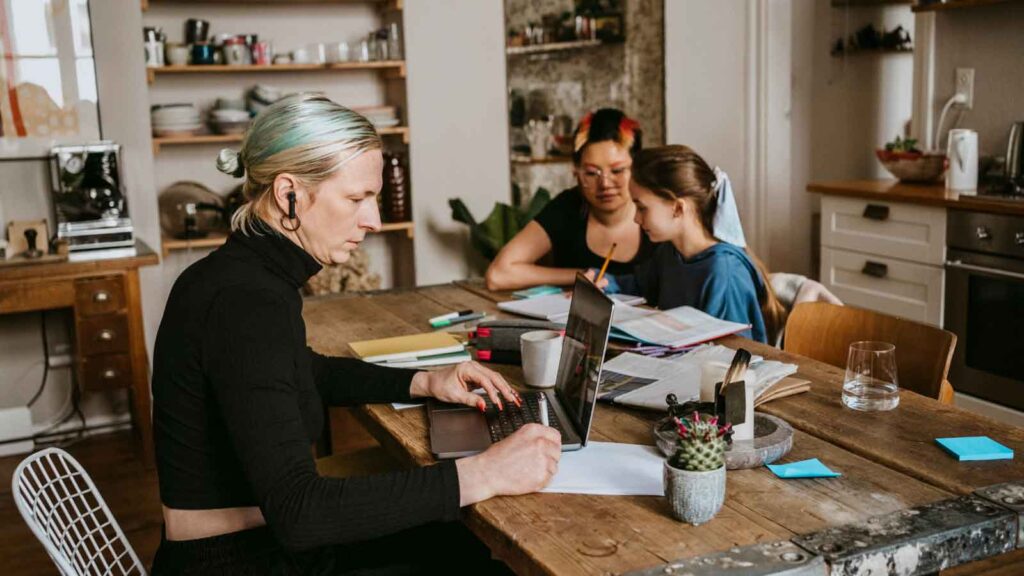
point(689, 208)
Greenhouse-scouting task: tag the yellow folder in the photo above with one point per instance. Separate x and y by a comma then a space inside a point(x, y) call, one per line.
point(406, 347)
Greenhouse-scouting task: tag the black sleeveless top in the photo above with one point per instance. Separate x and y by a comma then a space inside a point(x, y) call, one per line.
point(238, 399)
point(565, 221)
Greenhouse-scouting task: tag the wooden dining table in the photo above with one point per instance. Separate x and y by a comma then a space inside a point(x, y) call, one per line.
point(901, 505)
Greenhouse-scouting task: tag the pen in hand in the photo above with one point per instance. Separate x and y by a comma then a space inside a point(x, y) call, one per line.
point(542, 406)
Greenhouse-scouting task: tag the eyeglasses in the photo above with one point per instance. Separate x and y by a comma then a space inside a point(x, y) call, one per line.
point(591, 177)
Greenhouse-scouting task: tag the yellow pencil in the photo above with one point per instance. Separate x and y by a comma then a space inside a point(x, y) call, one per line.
point(604, 266)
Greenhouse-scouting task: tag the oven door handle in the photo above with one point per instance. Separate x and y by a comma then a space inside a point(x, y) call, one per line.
point(983, 269)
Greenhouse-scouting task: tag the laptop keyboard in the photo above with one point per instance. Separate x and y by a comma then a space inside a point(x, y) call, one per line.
point(502, 423)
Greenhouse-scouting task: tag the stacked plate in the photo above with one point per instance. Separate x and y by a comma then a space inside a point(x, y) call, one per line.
point(229, 121)
point(381, 116)
point(180, 119)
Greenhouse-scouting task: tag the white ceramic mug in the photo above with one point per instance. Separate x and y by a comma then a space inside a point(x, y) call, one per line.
point(963, 161)
point(541, 350)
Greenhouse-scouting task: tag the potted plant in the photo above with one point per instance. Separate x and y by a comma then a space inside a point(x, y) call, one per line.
point(695, 473)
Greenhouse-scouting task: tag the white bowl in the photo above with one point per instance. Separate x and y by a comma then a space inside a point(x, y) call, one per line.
point(227, 115)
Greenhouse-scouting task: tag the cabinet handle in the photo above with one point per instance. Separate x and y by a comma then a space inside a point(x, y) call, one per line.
point(101, 297)
point(876, 212)
point(105, 335)
point(875, 269)
point(109, 374)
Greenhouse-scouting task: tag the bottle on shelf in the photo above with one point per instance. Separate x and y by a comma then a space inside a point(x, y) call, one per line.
point(395, 193)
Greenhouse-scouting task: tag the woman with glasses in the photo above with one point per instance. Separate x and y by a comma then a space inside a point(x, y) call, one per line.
point(580, 225)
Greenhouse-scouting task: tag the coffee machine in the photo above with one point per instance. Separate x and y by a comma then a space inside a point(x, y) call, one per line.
point(90, 206)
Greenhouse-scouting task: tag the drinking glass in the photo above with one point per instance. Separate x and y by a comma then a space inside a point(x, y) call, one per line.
point(871, 383)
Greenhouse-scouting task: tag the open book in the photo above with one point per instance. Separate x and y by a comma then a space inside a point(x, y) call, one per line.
point(675, 328)
point(643, 382)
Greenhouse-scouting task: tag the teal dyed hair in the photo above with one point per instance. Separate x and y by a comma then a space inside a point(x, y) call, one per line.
point(305, 135)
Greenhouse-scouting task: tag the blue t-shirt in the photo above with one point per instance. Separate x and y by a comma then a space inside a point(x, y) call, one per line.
point(722, 281)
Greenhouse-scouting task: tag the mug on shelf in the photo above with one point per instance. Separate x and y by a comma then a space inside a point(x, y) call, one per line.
point(202, 53)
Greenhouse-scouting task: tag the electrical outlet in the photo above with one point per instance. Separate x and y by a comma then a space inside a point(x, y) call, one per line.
point(965, 85)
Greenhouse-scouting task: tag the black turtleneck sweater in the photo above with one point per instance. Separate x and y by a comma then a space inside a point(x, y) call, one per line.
point(238, 401)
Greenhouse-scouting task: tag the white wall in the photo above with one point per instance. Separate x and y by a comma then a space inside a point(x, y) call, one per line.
point(455, 52)
point(988, 39)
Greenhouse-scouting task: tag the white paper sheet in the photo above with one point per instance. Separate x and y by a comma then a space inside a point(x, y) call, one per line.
point(611, 469)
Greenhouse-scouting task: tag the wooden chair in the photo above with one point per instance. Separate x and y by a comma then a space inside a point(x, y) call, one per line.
point(824, 332)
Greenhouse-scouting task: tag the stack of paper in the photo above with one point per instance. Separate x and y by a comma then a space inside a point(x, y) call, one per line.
point(416, 351)
point(555, 307)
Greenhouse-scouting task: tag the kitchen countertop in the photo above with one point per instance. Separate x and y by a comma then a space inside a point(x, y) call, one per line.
point(926, 194)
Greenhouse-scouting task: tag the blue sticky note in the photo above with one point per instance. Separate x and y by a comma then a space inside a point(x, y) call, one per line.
point(812, 468)
point(536, 291)
point(975, 448)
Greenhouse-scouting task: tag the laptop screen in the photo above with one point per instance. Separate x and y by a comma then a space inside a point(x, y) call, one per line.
point(583, 349)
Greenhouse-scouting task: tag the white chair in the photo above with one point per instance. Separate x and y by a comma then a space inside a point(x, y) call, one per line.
point(65, 511)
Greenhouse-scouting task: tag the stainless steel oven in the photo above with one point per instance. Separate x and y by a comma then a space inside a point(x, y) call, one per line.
point(985, 305)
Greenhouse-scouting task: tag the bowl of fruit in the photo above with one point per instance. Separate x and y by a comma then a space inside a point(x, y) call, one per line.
point(905, 161)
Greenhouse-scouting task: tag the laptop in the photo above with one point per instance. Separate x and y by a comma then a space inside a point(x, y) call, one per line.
point(459, 430)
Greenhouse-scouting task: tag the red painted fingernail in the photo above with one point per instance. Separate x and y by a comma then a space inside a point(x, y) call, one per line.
point(482, 406)
point(500, 407)
point(519, 403)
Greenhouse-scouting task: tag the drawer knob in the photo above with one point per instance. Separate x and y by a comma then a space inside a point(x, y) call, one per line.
point(875, 269)
point(101, 296)
point(983, 233)
point(1019, 238)
point(105, 335)
point(109, 374)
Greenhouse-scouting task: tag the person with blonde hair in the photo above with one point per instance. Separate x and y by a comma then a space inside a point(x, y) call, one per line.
point(239, 398)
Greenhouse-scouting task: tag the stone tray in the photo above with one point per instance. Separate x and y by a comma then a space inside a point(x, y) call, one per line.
point(773, 438)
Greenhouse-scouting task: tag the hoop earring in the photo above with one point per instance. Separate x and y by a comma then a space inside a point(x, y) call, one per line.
point(291, 214)
point(298, 223)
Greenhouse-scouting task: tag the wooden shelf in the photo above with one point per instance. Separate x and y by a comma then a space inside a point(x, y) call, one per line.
point(525, 160)
point(866, 51)
point(215, 240)
point(391, 68)
point(956, 4)
point(199, 139)
point(385, 4)
point(553, 47)
point(853, 3)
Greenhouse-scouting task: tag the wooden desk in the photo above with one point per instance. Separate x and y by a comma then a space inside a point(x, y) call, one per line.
point(888, 460)
point(110, 344)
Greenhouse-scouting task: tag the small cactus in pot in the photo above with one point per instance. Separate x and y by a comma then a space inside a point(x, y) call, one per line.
point(695, 473)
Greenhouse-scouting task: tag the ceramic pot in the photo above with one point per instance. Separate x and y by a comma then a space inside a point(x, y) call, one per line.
point(694, 497)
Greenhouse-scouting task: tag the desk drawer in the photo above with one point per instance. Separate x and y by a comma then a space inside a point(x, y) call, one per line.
point(95, 296)
point(103, 334)
point(912, 291)
point(905, 231)
point(106, 372)
point(28, 296)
